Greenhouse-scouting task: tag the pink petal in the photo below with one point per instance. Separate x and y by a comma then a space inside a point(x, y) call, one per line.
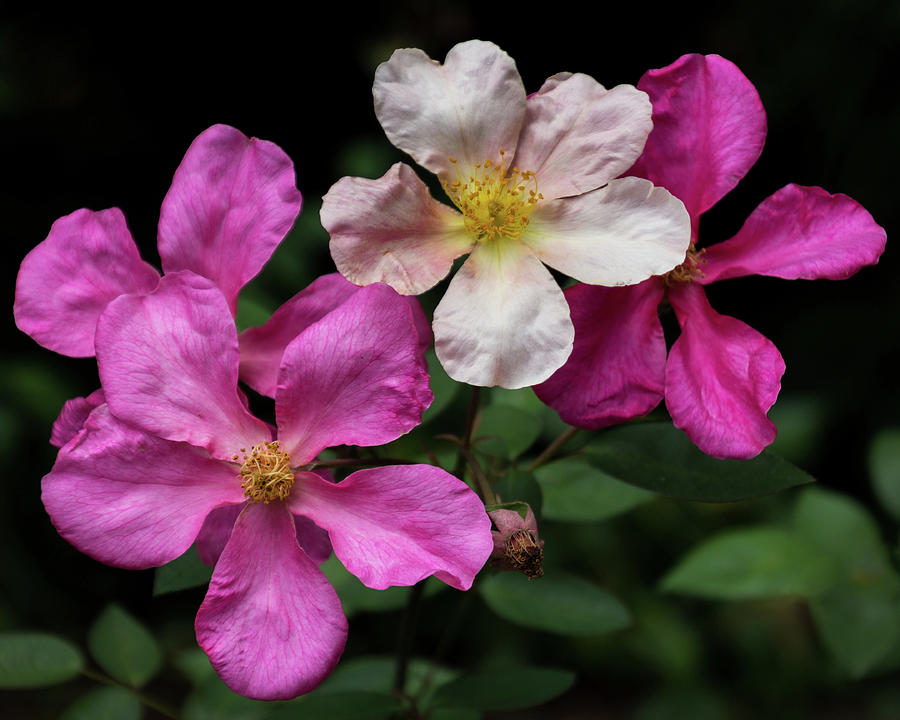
point(72, 417)
point(398, 525)
point(621, 234)
point(391, 230)
point(721, 379)
point(130, 499)
point(65, 282)
point(470, 107)
point(216, 530)
point(169, 365)
point(232, 201)
point(799, 233)
point(356, 377)
point(271, 623)
point(578, 135)
point(503, 320)
point(709, 127)
point(617, 368)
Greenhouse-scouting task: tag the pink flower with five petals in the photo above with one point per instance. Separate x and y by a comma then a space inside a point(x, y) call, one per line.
point(721, 376)
point(533, 182)
point(174, 445)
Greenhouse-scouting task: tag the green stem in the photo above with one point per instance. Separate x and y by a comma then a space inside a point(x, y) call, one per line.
point(484, 487)
point(551, 449)
point(144, 699)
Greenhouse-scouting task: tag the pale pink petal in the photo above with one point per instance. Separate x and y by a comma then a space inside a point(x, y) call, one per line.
point(271, 623)
point(799, 233)
point(397, 525)
point(232, 201)
point(503, 320)
point(130, 499)
point(621, 234)
point(216, 530)
point(578, 135)
point(169, 365)
point(469, 108)
point(72, 417)
point(391, 230)
point(66, 281)
point(709, 127)
point(617, 368)
point(721, 379)
point(356, 377)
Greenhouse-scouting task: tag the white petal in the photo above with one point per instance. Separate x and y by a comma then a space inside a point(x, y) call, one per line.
point(620, 234)
point(470, 107)
point(578, 135)
point(503, 321)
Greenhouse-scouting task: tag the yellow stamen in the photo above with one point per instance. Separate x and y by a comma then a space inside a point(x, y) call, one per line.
point(689, 270)
point(266, 473)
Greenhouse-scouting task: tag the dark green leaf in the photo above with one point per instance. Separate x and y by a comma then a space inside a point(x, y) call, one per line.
point(520, 485)
point(575, 491)
point(356, 597)
point(884, 469)
point(443, 387)
point(756, 562)
point(110, 703)
point(661, 458)
point(557, 602)
point(29, 660)
point(214, 701)
point(123, 647)
point(194, 665)
point(508, 688)
point(518, 507)
point(506, 431)
point(339, 706)
point(182, 573)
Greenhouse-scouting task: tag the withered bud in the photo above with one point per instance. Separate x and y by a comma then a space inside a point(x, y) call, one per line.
point(517, 546)
point(525, 554)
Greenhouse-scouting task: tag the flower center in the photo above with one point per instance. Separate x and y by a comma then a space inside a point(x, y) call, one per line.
point(266, 473)
point(525, 553)
point(495, 201)
point(689, 270)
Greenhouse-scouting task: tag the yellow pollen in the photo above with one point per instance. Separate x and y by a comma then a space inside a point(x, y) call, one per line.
point(689, 270)
point(494, 204)
point(266, 473)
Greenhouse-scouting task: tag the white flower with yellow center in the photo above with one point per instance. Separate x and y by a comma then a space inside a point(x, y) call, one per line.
point(533, 183)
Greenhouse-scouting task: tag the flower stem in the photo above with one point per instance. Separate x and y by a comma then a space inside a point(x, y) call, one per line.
point(551, 449)
point(144, 699)
point(406, 635)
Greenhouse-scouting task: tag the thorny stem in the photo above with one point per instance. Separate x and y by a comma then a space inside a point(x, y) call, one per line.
point(406, 635)
point(551, 449)
point(148, 701)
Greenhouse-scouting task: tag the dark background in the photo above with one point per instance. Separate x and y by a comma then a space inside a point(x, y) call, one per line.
point(97, 110)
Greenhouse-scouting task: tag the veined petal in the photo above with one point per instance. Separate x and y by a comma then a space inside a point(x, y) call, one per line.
point(217, 527)
point(617, 368)
point(397, 525)
point(72, 417)
point(391, 230)
point(130, 499)
point(578, 135)
point(620, 234)
point(721, 379)
point(232, 201)
point(356, 377)
point(503, 320)
point(88, 259)
point(470, 107)
point(169, 365)
point(271, 623)
point(799, 233)
point(709, 127)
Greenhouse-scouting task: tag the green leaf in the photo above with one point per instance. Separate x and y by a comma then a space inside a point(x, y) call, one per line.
point(182, 573)
point(755, 562)
point(339, 706)
point(557, 602)
point(110, 703)
point(575, 491)
point(194, 665)
point(519, 507)
point(506, 431)
point(520, 485)
point(443, 386)
point(884, 469)
point(661, 458)
point(214, 701)
point(508, 688)
point(30, 660)
point(859, 624)
point(123, 647)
